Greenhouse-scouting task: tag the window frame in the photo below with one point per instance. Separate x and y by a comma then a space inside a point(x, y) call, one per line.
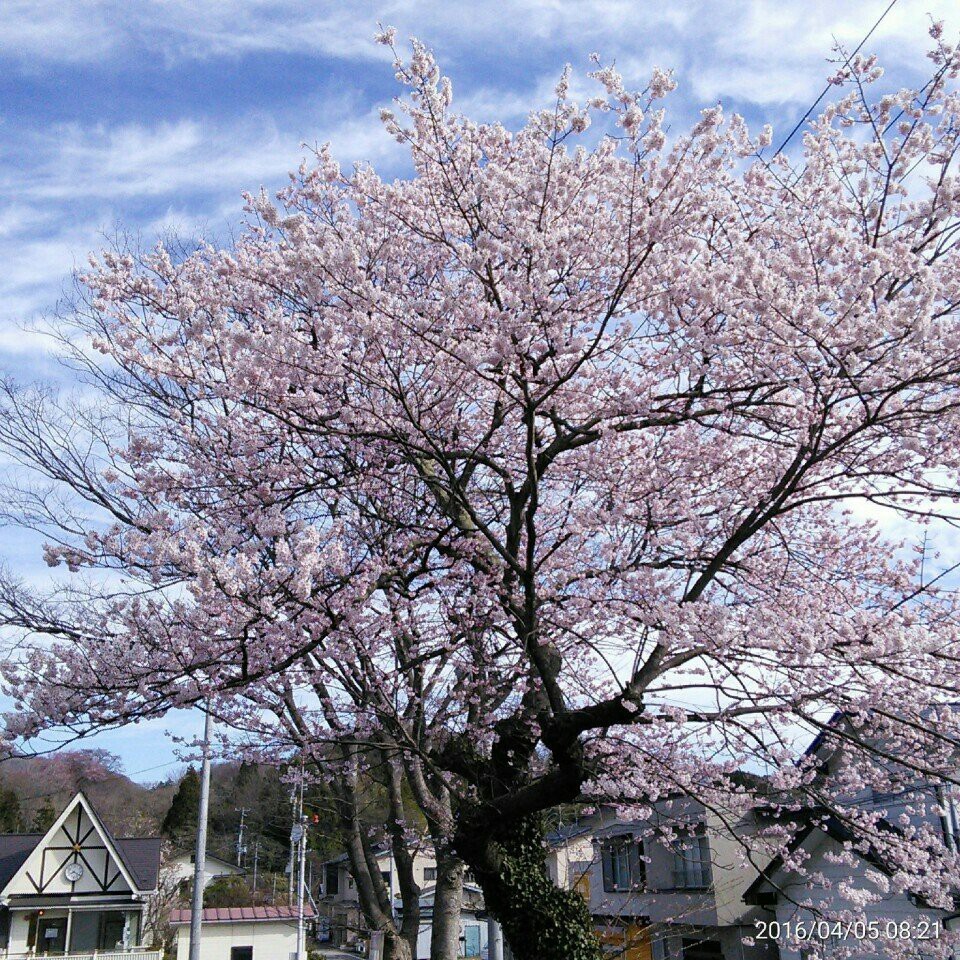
point(692, 865)
point(623, 853)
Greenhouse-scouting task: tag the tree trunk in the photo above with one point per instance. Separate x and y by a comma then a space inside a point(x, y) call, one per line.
point(434, 799)
point(447, 903)
point(372, 893)
point(396, 947)
point(539, 920)
point(402, 857)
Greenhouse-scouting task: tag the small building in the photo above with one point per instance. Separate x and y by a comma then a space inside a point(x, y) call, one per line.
point(344, 923)
point(570, 854)
point(241, 933)
point(180, 868)
point(75, 888)
point(473, 924)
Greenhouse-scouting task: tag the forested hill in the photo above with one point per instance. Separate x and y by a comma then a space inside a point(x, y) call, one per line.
point(33, 791)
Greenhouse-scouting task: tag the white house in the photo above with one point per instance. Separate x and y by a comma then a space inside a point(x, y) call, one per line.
point(790, 901)
point(570, 854)
point(180, 868)
point(340, 901)
point(241, 933)
point(793, 901)
point(75, 888)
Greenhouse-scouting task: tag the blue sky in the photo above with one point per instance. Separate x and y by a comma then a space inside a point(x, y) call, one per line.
point(153, 115)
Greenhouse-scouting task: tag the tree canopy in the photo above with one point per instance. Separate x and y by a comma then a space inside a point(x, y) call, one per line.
point(554, 471)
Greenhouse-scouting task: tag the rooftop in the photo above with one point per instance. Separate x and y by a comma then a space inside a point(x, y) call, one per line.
point(241, 914)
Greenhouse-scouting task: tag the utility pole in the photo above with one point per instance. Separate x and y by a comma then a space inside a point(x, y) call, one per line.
point(241, 849)
point(299, 836)
point(291, 865)
point(256, 858)
point(200, 850)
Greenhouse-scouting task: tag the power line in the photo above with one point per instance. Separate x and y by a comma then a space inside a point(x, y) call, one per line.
point(826, 89)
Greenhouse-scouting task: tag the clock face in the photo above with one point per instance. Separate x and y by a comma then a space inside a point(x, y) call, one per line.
point(73, 871)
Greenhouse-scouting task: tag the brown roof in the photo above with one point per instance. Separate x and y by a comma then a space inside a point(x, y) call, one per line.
point(241, 914)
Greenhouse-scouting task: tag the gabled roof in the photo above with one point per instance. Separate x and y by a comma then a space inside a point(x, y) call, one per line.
point(834, 829)
point(567, 832)
point(14, 850)
point(180, 854)
point(142, 857)
point(137, 857)
point(182, 915)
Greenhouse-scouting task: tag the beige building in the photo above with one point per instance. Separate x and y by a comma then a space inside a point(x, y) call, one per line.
point(180, 868)
point(241, 933)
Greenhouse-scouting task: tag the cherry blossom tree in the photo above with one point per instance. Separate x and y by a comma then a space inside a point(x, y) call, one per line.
point(564, 468)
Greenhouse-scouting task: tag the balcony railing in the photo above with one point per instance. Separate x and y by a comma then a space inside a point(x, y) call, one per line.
point(131, 953)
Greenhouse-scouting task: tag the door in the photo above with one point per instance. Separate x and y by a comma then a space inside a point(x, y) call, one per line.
point(112, 926)
point(630, 941)
point(471, 940)
point(52, 935)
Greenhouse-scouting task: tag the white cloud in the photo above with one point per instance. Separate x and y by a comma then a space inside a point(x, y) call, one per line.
point(764, 50)
point(150, 160)
point(82, 180)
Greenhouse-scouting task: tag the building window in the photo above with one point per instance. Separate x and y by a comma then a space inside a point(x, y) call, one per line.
point(696, 949)
point(241, 953)
point(950, 821)
point(429, 873)
point(623, 864)
point(691, 861)
point(331, 880)
point(659, 947)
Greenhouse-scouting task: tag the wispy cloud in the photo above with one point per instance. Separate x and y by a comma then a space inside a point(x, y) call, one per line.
point(727, 47)
point(184, 177)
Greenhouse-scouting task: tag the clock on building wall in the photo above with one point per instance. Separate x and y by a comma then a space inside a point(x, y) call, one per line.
point(73, 871)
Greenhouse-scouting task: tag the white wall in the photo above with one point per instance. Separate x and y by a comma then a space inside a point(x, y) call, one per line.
point(181, 868)
point(19, 926)
point(270, 939)
point(423, 859)
point(894, 907)
point(567, 861)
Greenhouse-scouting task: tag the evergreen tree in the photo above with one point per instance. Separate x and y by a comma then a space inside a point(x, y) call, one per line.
point(181, 818)
point(10, 813)
point(44, 817)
